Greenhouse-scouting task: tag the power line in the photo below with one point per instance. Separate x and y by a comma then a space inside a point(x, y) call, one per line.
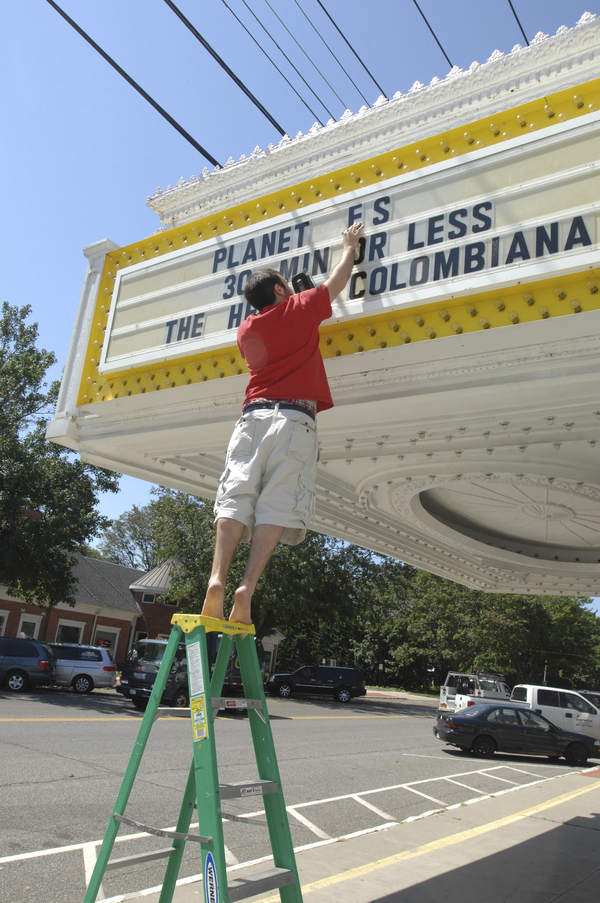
point(262, 49)
point(518, 22)
point(448, 60)
point(376, 83)
point(345, 106)
point(224, 66)
point(328, 48)
point(135, 85)
point(273, 41)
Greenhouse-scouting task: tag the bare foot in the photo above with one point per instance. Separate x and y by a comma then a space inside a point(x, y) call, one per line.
point(213, 603)
point(241, 606)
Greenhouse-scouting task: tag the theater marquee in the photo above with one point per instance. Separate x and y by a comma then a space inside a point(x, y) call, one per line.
point(462, 355)
point(501, 215)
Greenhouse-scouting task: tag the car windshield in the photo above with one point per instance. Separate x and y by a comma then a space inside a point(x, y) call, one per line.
point(148, 653)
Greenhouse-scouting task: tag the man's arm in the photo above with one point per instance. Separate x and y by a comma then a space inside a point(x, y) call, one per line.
point(341, 272)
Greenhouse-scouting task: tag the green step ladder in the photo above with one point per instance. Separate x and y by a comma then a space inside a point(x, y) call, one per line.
point(203, 786)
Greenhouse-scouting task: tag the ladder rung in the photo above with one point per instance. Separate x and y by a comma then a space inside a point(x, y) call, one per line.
point(159, 832)
point(259, 883)
point(229, 816)
point(235, 702)
point(139, 857)
point(246, 789)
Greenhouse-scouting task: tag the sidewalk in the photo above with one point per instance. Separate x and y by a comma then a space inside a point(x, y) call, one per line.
point(401, 694)
point(535, 845)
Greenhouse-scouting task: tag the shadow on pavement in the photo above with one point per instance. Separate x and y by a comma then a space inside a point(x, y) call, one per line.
point(559, 864)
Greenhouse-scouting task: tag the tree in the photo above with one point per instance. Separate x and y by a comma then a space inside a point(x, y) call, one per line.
point(48, 497)
point(335, 600)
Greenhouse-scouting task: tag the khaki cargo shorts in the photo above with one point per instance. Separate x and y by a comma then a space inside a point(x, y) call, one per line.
point(270, 473)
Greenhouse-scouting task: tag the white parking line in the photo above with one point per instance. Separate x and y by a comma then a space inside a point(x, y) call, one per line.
point(488, 771)
point(498, 778)
point(426, 795)
point(89, 861)
point(373, 808)
point(308, 824)
point(460, 784)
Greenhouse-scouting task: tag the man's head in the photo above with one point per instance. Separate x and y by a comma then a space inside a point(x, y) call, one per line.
point(265, 287)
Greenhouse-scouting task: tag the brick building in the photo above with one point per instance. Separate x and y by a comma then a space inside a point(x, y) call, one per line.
point(114, 607)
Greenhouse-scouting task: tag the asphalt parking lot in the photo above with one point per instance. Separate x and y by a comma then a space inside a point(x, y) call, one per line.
point(346, 770)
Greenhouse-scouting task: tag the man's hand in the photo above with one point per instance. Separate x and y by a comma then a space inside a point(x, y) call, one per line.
point(351, 236)
point(341, 273)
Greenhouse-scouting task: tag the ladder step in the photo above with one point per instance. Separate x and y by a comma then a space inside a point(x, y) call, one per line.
point(245, 789)
point(139, 857)
point(159, 832)
point(229, 816)
point(235, 702)
point(259, 883)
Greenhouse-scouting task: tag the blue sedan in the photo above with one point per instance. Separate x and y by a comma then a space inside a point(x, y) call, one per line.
point(485, 729)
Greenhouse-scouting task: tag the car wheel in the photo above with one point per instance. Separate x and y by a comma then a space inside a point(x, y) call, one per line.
point(483, 747)
point(139, 703)
point(576, 755)
point(16, 681)
point(181, 700)
point(343, 694)
point(82, 684)
point(284, 690)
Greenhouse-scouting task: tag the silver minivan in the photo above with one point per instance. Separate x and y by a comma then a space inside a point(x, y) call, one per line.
point(83, 667)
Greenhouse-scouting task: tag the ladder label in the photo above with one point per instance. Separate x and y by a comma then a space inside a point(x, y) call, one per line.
point(199, 726)
point(194, 663)
point(251, 791)
point(211, 886)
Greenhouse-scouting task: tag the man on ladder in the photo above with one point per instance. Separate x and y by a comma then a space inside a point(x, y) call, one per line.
point(266, 493)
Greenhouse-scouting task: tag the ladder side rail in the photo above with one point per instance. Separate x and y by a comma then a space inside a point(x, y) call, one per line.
point(221, 665)
point(206, 773)
point(183, 826)
point(268, 769)
point(133, 766)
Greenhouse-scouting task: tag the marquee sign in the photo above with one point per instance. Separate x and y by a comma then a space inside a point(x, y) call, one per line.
point(486, 215)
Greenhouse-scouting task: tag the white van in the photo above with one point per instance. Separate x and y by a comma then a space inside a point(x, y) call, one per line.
point(564, 708)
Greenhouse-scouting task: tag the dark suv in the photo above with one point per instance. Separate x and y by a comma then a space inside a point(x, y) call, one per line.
point(142, 664)
point(25, 663)
point(341, 683)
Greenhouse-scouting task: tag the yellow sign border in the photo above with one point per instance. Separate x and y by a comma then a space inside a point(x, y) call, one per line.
point(534, 301)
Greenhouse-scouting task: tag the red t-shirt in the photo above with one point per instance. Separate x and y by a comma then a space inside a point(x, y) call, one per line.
point(280, 344)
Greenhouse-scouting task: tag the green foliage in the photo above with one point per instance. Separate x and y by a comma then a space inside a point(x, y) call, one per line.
point(47, 497)
point(334, 600)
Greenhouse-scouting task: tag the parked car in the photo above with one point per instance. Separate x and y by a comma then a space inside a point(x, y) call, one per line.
point(565, 708)
point(83, 667)
point(25, 663)
point(143, 663)
point(486, 729)
point(341, 683)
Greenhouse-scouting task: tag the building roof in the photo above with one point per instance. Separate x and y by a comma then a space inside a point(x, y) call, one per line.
point(158, 579)
point(105, 584)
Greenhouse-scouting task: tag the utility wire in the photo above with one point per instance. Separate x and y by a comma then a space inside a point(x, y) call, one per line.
point(518, 22)
point(273, 41)
point(135, 85)
point(448, 60)
point(224, 66)
point(306, 55)
point(376, 83)
point(262, 49)
point(328, 48)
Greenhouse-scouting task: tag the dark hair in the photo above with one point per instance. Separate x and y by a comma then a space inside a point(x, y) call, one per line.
point(259, 290)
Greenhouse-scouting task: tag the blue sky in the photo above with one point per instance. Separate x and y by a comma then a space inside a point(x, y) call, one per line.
point(82, 150)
